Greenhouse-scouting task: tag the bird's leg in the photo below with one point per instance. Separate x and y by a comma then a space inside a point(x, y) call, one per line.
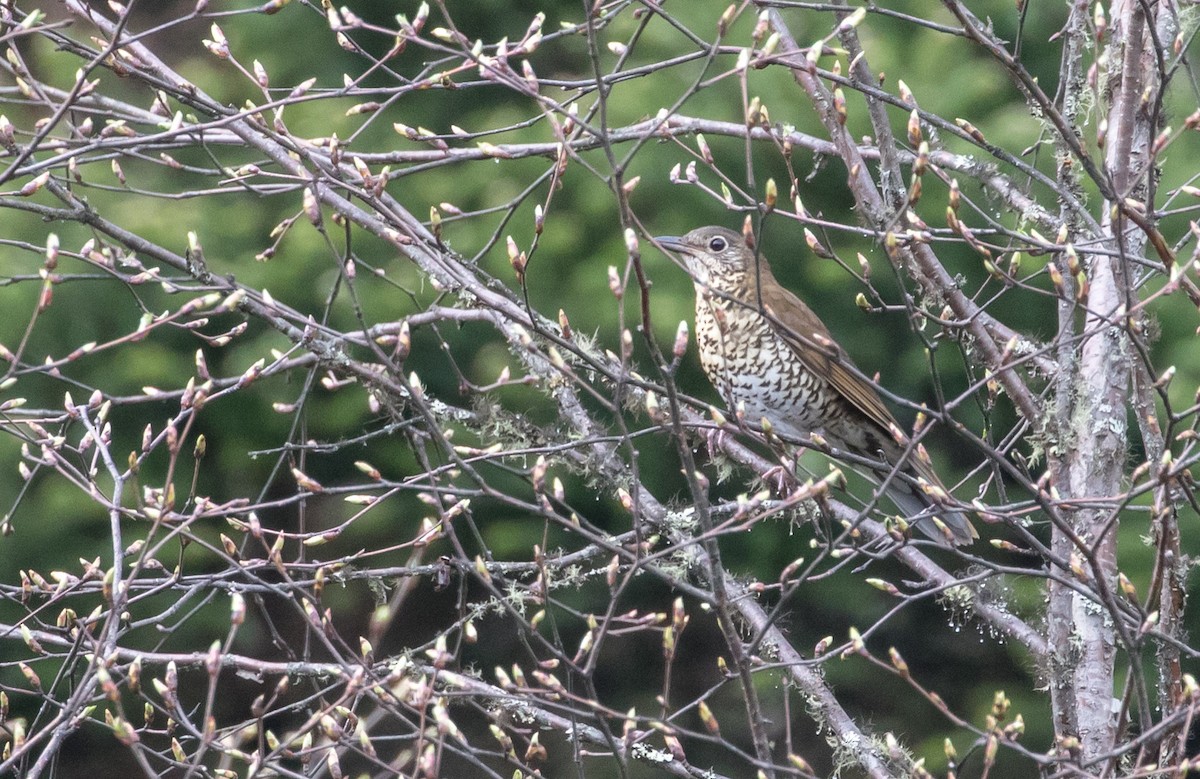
point(715, 439)
point(781, 478)
point(716, 436)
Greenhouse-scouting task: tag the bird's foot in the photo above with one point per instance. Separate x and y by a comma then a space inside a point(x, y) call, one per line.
point(781, 479)
point(715, 439)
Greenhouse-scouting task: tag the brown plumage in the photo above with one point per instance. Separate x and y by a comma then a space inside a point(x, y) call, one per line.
point(767, 352)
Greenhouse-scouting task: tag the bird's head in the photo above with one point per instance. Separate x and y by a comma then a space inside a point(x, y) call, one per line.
point(715, 256)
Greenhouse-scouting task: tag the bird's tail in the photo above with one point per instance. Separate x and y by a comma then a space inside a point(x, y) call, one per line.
point(914, 503)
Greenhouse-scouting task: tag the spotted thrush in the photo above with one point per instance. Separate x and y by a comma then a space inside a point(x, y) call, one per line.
point(768, 354)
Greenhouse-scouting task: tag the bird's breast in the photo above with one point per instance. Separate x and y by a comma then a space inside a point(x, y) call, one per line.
point(753, 367)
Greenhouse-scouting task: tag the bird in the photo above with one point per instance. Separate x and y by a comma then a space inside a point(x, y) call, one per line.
point(773, 359)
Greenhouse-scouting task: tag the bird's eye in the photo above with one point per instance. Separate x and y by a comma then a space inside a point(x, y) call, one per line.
point(717, 244)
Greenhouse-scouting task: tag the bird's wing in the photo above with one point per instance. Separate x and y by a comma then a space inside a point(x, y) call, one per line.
point(812, 343)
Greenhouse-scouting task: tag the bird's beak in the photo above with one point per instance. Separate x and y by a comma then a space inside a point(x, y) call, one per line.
point(686, 256)
point(672, 243)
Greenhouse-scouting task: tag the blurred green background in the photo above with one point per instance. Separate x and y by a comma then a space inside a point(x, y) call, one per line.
point(55, 524)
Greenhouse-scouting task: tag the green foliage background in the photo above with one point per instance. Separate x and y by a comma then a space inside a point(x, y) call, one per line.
point(54, 525)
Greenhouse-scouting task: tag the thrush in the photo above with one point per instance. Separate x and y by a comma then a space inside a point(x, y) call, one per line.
point(766, 352)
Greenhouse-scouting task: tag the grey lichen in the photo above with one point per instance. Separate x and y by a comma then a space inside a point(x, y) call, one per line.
point(643, 751)
point(959, 601)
